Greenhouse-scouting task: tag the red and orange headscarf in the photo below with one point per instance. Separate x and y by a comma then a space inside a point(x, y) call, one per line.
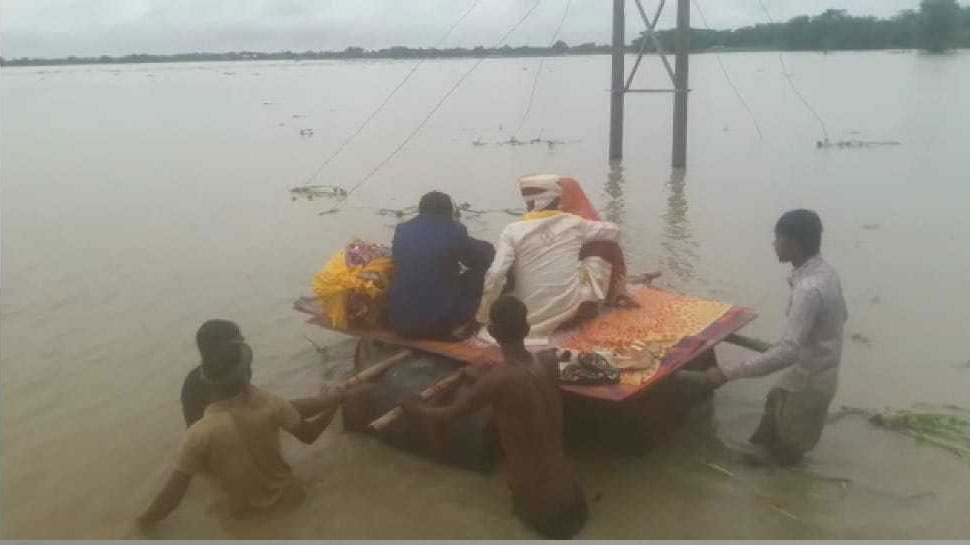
point(543, 189)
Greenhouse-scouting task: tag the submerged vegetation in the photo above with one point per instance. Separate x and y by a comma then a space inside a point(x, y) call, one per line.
point(946, 427)
point(939, 427)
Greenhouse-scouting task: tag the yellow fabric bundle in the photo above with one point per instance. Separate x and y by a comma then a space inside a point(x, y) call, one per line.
point(337, 281)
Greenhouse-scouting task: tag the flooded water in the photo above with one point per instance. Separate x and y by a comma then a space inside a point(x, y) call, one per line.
point(139, 201)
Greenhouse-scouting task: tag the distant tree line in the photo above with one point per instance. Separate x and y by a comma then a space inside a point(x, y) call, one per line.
point(396, 52)
point(937, 26)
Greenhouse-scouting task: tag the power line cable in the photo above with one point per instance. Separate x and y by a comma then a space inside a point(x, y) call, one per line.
point(791, 82)
point(727, 76)
point(391, 95)
point(542, 62)
point(441, 102)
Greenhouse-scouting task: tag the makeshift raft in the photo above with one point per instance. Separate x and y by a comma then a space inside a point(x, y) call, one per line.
point(674, 329)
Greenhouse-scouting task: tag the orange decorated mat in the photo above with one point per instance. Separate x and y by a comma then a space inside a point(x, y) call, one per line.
point(636, 340)
point(649, 343)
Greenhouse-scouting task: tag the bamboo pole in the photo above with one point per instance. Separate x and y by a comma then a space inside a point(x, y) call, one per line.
point(377, 369)
point(748, 342)
point(437, 388)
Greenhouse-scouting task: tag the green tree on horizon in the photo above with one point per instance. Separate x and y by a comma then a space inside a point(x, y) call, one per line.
point(940, 20)
point(937, 26)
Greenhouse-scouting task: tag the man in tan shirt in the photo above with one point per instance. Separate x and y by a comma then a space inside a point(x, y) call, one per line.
point(237, 441)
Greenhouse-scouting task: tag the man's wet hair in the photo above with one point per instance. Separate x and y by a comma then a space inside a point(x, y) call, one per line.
point(508, 320)
point(214, 334)
point(436, 203)
point(802, 226)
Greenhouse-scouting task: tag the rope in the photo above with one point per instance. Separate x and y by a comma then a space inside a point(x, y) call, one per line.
point(727, 75)
point(390, 95)
point(791, 82)
point(441, 102)
point(542, 62)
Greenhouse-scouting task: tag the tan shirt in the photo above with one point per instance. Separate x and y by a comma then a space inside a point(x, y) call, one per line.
point(237, 444)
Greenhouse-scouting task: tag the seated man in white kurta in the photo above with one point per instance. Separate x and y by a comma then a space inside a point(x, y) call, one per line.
point(542, 250)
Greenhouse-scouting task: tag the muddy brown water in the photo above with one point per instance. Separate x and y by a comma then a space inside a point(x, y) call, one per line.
point(135, 207)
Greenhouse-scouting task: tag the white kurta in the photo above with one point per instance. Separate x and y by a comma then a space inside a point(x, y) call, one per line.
point(549, 277)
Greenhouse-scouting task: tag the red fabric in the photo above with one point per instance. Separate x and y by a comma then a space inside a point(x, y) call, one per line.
point(574, 201)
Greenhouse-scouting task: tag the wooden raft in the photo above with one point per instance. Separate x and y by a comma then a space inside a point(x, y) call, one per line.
point(476, 352)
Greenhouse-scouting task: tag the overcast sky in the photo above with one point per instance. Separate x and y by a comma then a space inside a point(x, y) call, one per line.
point(56, 28)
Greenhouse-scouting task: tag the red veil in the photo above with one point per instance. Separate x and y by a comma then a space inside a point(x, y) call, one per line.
point(574, 201)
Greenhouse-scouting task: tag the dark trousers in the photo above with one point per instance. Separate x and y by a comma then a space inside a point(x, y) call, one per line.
point(792, 424)
point(478, 259)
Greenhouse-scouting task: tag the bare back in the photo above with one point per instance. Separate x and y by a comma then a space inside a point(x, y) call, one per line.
point(528, 414)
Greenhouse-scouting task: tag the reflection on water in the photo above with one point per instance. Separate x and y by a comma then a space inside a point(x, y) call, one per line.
point(678, 240)
point(615, 206)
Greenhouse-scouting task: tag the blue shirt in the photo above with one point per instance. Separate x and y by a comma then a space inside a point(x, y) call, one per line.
point(426, 289)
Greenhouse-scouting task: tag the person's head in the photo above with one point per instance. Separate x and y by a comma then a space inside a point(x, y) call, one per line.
point(541, 191)
point(228, 370)
point(214, 334)
point(798, 236)
point(436, 203)
point(508, 320)
point(223, 348)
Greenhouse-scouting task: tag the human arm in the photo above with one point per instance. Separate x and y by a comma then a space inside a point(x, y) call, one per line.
point(328, 400)
point(188, 462)
point(473, 373)
point(472, 253)
point(167, 499)
point(495, 277)
point(307, 430)
point(600, 230)
point(482, 393)
point(806, 303)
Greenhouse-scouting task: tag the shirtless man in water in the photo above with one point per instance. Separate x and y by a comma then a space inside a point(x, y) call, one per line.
point(527, 407)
